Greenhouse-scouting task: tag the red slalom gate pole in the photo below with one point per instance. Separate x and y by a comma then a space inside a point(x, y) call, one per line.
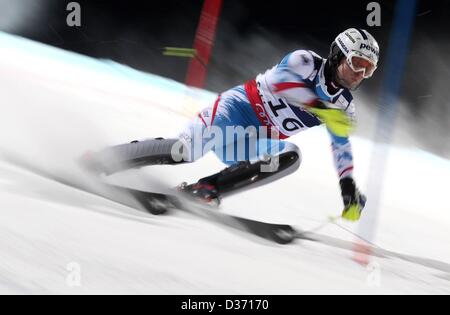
point(204, 42)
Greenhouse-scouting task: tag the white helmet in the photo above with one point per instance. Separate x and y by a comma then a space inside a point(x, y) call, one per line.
point(355, 43)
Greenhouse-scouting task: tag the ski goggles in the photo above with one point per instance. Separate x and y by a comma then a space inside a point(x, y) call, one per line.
point(360, 63)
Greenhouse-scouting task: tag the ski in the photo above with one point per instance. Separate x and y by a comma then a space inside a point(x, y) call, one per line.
point(160, 203)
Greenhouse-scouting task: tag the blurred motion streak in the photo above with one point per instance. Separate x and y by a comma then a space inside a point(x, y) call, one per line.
point(387, 113)
point(203, 44)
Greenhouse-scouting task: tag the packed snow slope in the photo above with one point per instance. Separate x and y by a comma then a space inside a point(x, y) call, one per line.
point(54, 238)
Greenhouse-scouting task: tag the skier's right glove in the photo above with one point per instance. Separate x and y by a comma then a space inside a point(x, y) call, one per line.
point(336, 120)
point(354, 201)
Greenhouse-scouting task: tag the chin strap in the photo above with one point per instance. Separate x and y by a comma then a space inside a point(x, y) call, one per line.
point(331, 76)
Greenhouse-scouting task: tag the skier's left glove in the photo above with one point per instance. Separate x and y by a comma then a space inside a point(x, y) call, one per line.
point(354, 201)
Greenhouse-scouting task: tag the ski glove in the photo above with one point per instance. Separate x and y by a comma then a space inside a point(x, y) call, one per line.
point(336, 120)
point(354, 201)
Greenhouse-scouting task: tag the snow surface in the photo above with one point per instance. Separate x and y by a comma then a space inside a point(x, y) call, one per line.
point(56, 105)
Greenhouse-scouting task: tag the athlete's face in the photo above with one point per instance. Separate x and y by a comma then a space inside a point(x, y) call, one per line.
point(347, 77)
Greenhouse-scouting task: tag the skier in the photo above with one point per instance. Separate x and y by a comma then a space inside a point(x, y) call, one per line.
point(302, 91)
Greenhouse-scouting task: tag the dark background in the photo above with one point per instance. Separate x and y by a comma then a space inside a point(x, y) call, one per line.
point(252, 36)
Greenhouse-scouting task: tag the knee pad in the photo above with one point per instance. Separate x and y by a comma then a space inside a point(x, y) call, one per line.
point(245, 175)
point(157, 151)
point(293, 154)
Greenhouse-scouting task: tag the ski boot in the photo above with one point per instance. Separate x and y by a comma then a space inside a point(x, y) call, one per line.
point(201, 191)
